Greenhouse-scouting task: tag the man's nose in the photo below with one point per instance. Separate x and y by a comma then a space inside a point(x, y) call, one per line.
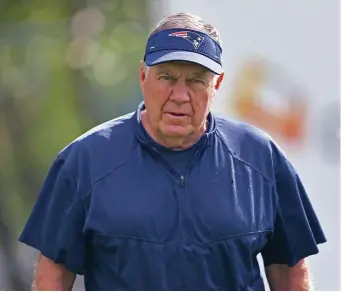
point(180, 93)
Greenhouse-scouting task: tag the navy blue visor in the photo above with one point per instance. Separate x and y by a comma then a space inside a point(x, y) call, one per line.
point(184, 45)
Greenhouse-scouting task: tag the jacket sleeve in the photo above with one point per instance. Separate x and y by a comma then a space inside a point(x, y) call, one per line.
point(57, 219)
point(297, 230)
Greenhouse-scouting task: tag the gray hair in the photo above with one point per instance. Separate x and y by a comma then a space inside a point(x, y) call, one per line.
point(146, 69)
point(187, 21)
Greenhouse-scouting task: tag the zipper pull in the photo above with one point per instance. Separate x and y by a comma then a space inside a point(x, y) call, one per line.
point(182, 181)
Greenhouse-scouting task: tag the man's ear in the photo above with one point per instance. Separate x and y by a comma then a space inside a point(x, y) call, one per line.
point(219, 80)
point(143, 74)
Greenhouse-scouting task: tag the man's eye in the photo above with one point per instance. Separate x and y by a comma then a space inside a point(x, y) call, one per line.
point(200, 81)
point(165, 77)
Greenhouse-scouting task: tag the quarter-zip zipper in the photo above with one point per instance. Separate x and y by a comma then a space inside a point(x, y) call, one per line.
point(182, 181)
point(183, 204)
point(187, 217)
point(186, 220)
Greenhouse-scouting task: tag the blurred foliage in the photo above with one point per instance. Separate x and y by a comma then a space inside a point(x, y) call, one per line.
point(65, 66)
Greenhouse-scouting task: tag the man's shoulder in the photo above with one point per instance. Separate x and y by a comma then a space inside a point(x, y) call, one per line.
point(238, 132)
point(110, 130)
point(247, 143)
point(96, 153)
point(106, 133)
point(101, 148)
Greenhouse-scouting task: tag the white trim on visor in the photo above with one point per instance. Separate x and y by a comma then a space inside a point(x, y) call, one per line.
point(184, 56)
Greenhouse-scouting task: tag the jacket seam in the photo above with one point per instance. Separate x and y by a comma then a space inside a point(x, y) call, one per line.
point(243, 161)
point(192, 244)
point(87, 195)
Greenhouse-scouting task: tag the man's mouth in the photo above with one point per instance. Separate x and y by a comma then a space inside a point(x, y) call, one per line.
point(176, 115)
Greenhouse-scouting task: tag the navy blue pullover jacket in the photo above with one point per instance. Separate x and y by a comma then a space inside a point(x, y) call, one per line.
point(119, 209)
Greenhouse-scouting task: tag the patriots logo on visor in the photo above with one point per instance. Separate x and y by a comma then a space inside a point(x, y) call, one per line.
point(195, 39)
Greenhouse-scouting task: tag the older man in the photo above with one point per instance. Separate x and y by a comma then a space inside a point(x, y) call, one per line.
point(172, 197)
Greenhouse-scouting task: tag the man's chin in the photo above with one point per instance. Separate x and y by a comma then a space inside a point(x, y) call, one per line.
point(176, 132)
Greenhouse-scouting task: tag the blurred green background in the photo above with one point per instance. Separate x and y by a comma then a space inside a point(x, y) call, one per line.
point(65, 66)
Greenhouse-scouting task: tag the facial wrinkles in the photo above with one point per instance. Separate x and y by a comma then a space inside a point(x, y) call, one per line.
point(174, 105)
point(189, 80)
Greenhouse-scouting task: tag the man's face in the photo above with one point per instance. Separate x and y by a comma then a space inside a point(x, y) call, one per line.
point(177, 97)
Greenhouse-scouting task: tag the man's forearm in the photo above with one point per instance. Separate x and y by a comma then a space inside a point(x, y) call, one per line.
point(282, 277)
point(51, 276)
point(63, 283)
